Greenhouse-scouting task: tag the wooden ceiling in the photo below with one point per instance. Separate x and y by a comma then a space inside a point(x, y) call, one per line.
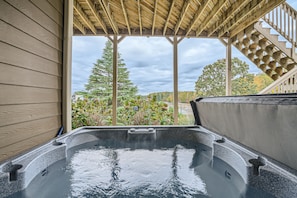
point(184, 18)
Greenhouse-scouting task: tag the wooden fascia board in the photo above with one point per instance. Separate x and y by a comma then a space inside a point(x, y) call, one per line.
point(155, 15)
point(182, 15)
point(168, 17)
point(126, 16)
point(96, 15)
point(106, 10)
point(197, 15)
point(83, 16)
point(234, 8)
point(79, 26)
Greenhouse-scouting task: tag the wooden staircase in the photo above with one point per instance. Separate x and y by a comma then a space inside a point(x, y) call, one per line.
point(264, 48)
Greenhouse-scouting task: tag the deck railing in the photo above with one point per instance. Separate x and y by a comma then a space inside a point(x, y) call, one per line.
point(284, 20)
point(286, 84)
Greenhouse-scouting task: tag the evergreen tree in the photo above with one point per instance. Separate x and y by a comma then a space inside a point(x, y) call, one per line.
point(100, 81)
point(213, 79)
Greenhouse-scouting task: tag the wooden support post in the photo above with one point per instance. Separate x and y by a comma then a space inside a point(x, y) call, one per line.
point(67, 59)
point(175, 80)
point(175, 43)
point(228, 68)
point(115, 80)
point(115, 42)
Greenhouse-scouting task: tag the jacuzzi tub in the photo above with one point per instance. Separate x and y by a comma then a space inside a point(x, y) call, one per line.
point(144, 162)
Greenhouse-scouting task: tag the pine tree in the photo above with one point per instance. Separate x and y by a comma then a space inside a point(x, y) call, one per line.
point(100, 81)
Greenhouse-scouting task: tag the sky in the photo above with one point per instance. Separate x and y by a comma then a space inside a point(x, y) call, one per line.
point(150, 60)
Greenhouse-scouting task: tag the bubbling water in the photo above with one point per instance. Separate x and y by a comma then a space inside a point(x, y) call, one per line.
point(125, 172)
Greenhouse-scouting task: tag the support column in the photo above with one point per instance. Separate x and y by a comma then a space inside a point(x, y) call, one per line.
point(67, 60)
point(175, 43)
point(228, 68)
point(114, 80)
point(175, 81)
point(115, 42)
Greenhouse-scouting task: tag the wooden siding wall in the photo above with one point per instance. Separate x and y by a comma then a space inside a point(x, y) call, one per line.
point(31, 33)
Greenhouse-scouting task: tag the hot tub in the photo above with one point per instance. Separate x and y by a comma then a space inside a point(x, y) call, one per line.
point(188, 161)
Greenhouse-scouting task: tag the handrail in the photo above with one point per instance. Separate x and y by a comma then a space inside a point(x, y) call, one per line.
point(286, 84)
point(284, 20)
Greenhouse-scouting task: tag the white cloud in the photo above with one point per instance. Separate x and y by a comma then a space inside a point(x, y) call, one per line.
point(149, 61)
point(143, 48)
point(85, 51)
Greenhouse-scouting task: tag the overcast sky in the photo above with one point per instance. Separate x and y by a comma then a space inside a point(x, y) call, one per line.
point(150, 60)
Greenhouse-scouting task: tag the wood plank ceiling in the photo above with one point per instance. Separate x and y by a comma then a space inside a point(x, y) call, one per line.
point(184, 18)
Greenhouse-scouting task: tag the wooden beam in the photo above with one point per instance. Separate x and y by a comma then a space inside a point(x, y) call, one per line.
point(139, 17)
point(223, 41)
point(121, 38)
point(168, 17)
point(211, 15)
point(182, 15)
point(145, 32)
point(169, 39)
point(126, 16)
point(95, 13)
point(83, 16)
point(155, 15)
point(266, 7)
point(79, 26)
point(248, 9)
point(105, 7)
point(197, 15)
point(229, 13)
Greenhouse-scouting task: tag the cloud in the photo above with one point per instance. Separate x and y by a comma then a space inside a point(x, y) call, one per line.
point(150, 60)
point(85, 51)
point(145, 48)
point(153, 78)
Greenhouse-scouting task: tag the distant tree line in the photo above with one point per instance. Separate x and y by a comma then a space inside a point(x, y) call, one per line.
point(183, 96)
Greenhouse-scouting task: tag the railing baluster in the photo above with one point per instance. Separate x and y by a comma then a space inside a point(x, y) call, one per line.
point(281, 16)
point(295, 31)
point(288, 17)
point(276, 10)
point(272, 13)
point(291, 29)
point(285, 22)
